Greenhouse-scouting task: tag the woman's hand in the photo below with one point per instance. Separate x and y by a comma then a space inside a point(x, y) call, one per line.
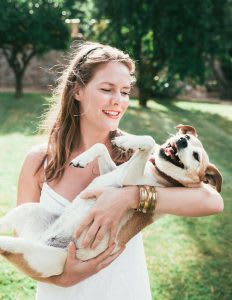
point(111, 205)
point(76, 270)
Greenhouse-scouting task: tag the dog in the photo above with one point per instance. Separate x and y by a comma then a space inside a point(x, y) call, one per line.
point(40, 250)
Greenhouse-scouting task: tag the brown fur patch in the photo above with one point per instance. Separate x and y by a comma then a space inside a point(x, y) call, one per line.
point(19, 261)
point(135, 224)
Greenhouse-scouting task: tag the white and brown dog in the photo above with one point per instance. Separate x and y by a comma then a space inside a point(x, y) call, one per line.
point(40, 250)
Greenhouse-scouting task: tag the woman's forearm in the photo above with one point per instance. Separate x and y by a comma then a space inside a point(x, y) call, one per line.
point(189, 202)
point(181, 201)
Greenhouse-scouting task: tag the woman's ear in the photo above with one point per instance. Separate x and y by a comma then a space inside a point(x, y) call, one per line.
point(77, 93)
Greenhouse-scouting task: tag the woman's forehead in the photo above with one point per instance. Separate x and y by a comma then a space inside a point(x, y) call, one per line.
point(111, 73)
point(113, 84)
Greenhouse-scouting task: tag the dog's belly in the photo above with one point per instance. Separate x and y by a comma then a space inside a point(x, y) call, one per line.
point(61, 233)
point(59, 241)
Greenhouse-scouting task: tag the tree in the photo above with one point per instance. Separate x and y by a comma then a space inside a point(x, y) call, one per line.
point(29, 28)
point(174, 40)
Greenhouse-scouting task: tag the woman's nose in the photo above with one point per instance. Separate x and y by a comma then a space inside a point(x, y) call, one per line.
point(116, 98)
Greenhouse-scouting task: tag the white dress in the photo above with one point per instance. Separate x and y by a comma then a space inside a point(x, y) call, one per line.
point(126, 278)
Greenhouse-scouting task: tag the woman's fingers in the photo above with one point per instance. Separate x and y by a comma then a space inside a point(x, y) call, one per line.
point(91, 233)
point(85, 223)
point(101, 257)
point(99, 237)
point(108, 260)
point(95, 233)
point(71, 251)
point(113, 234)
point(102, 232)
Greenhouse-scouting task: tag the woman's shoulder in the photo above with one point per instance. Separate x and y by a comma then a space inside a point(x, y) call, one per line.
point(35, 158)
point(36, 153)
point(31, 175)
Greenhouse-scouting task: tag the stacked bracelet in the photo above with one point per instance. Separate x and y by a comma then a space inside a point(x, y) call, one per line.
point(148, 199)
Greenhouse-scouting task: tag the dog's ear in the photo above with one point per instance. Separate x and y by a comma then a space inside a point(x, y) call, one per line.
point(184, 129)
point(213, 177)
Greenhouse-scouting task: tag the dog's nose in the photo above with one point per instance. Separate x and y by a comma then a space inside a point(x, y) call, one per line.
point(182, 143)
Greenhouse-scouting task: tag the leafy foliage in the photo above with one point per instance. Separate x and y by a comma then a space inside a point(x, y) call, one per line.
point(29, 28)
point(181, 38)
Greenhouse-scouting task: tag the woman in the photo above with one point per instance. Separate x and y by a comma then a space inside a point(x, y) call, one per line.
point(92, 96)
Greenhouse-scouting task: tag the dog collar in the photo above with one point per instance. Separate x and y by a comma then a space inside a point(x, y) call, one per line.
point(165, 176)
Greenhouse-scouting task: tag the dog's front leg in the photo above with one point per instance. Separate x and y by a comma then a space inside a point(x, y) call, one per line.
point(98, 151)
point(132, 172)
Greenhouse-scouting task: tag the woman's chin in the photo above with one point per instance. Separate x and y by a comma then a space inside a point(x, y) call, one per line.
point(111, 126)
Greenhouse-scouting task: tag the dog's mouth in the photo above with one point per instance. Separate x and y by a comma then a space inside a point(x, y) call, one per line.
point(169, 153)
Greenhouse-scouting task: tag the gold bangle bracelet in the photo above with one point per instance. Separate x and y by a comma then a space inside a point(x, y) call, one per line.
point(148, 199)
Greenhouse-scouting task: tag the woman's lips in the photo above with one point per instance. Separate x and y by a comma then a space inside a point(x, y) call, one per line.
point(113, 114)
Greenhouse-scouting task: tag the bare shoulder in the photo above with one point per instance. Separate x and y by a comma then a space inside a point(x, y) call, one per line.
point(35, 156)
point(31, 176)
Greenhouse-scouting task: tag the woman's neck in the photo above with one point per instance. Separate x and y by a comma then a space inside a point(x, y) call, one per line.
point(90, 137)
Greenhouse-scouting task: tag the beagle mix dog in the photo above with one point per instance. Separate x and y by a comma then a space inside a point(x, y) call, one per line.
point(40, 250)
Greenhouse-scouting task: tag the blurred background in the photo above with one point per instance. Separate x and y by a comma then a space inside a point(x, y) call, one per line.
point(183, 54)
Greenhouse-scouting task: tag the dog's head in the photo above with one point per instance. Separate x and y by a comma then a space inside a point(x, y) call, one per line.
point(183, 158)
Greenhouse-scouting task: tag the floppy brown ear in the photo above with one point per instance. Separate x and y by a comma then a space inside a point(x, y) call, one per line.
point(213, 177)
point(184, 129)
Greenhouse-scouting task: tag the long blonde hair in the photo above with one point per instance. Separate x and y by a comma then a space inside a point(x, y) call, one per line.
point(62, 121)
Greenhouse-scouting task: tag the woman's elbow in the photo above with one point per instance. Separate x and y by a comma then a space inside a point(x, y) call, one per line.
point(219, 205)
point(215, 202)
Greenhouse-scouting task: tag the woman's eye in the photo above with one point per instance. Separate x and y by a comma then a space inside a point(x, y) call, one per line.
point(187, 137)
point(105, 90)
point(196, 156)
point(125, 93)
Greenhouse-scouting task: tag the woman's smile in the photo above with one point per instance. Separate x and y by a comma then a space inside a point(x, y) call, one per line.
point(112, 114)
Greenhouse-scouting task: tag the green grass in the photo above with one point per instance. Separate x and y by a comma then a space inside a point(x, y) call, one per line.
point(188, 258)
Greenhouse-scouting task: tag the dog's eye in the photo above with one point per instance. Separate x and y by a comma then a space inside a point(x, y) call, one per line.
point(187, 137)
point(196, 156)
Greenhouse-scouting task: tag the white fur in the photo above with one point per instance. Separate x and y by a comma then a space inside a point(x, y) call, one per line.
point(36, 226)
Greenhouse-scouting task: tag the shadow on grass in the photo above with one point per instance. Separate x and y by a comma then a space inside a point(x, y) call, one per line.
point(209, 277)
point(211, 274)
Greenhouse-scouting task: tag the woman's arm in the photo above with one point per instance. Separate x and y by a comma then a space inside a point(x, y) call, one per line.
point(181, 201)
point(189, 202)
point(112, 203)
point(29, 189)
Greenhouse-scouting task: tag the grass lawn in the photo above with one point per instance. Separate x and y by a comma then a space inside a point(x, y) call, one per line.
point(188, 258)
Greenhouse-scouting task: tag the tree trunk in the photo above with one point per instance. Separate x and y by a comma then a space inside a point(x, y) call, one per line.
point(18, 61)
point(18, 85)
point(142, 86)
point(224, 84)
point(142, 98)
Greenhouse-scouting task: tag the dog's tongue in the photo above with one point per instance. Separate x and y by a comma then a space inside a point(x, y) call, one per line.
point(169, 151)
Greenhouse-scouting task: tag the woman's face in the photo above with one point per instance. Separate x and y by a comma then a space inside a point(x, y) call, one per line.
point(104, 100)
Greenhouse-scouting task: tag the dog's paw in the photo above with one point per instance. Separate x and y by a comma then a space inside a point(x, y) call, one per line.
point(134, 142)
point(81, 161)
point(88, 156)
